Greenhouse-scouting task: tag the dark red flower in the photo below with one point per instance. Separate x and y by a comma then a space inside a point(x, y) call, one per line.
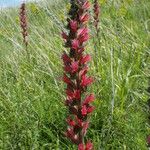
point(84, 18)
point(83, 71)
point(85, 81)
point(89, 146)
point(73, 25)
point(85, 59)
point(67, 79)
point(73, 137)
point(74, 66)
point(77, 94)
point(86, 5)
point(73, 94)
point(82, 31)
point(81, 147)
point(90, 98)
point(85, 127)
point(79, 122)
point(90, 109)
point(83, 38)
point(80, 50)
point(75, 44)
point(84, 110)
point(70, 122)
point(96, 14)
point(70, 133)
point(66, 59)
point(23, 23)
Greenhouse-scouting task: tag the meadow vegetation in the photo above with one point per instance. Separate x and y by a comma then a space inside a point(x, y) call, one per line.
point(32, 111)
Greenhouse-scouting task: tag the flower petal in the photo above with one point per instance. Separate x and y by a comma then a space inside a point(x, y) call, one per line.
point(73, 25)
point(81, 146)
point(85, 59)
point(90, 98)
point(66, 59)
point(84, 110)
point(70, 122)
point(74, 66)
point(89, 146)
point(85, 127)
point(90, 109)
point(66, 79)
point(86, 5)
point(75, 44)
point(84, 18)
point(85, 81)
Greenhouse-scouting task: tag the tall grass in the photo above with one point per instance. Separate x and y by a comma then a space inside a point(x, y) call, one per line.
point(32, 112)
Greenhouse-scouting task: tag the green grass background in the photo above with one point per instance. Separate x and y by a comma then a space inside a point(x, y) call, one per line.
point(32, 113)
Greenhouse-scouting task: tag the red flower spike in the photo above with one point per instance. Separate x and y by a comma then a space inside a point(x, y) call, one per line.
point(90, 98)
point(23, 23)
point(89, 146)
point(96, 14)
point(75, 70)
point(85, 59)
point(85, 81)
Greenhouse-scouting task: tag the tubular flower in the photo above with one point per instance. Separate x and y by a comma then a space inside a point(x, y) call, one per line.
point(75, 74)
point(96, 14)
point(23, 23)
